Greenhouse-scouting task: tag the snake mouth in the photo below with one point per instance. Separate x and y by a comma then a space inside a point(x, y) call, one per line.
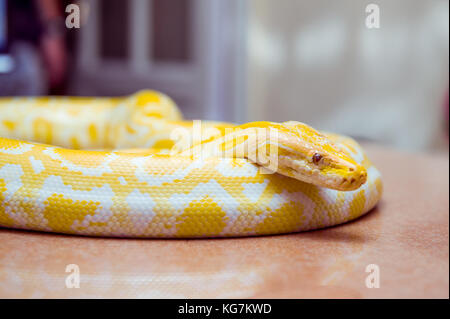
point(330, 176)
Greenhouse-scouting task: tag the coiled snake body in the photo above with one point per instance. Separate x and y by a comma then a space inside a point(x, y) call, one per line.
point(151, 180)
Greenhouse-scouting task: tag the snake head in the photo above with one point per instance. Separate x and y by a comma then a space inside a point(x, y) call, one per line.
point(306, 154)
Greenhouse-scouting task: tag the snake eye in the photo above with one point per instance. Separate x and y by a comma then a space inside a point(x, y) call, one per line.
point(316, 158)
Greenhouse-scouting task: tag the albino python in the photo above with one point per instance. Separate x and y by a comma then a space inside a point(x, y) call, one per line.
point(129, 167)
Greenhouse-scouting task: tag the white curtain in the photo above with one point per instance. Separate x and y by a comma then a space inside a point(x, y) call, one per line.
point(317, 62)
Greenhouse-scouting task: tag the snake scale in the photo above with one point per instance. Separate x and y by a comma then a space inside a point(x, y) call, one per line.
point(132, 167)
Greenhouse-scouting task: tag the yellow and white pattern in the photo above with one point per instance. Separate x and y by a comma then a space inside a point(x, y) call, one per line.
point(139, 188)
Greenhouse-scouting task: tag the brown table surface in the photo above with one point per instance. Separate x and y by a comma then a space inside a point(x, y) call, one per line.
point(407, 236)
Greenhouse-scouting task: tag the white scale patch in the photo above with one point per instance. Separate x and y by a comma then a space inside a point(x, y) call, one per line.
point(141, 210)
point(253, 191)
point(18, 150)
point(226, 169)
point(37, 165)
point(88, 171)
point(331, 197)
point(212, 189)
point(153, 180)
point(12, 174)
point(371, 191)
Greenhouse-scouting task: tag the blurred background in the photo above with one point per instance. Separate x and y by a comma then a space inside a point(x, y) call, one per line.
point(236, 60)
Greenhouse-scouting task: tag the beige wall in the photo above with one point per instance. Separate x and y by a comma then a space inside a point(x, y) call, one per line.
point(316, 62)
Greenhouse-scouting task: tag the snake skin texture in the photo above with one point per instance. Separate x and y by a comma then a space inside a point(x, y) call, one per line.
point(83, 181)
